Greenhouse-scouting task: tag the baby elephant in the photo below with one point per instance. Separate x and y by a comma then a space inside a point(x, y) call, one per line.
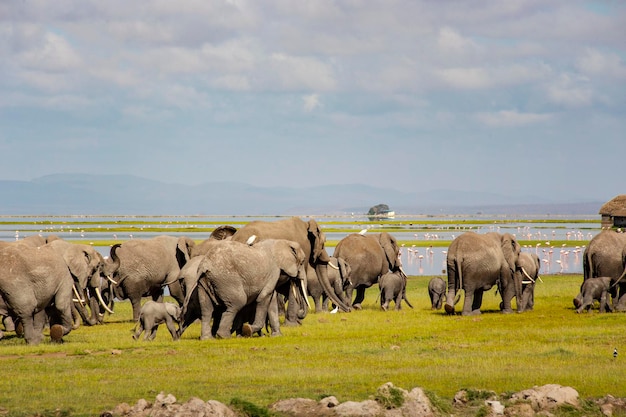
point(393, 288)
point(595, 289)
point(437, 292)
point(152, 315)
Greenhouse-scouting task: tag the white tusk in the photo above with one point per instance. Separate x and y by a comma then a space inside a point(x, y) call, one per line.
point(102, 301)
point(333, 266)
point(112, 280)
point(304, 294)
point(539, 278)
point(527, 276)
point(251, 240)
point(79, 299)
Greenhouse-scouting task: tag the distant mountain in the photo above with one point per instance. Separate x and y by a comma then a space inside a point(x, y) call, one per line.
point(126, 194)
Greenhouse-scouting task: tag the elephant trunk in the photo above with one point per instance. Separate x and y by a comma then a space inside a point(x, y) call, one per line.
point(454, 283)
point(517, 282)
point(321, 269)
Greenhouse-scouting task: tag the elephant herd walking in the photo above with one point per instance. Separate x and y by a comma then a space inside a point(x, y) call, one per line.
point(238, 280)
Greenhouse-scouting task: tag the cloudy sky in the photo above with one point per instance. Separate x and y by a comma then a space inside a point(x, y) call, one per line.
point(518, 97)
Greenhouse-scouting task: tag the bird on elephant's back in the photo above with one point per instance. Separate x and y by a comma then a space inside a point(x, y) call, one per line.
point(311, 239)
point(475, 263)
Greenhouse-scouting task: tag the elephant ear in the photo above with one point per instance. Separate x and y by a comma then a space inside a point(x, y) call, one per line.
point(184, 248)
point(290, 257)
point(511, 250)
point(78, 264)
point(389, 245)
point(317, 239)
point(222, 232)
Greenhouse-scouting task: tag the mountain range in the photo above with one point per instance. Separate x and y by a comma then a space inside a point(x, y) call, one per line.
point(65, 194)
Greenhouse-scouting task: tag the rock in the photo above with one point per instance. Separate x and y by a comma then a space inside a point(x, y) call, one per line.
point(548, 397)
point(497, 408)
point(329, 402)
point(368, 408)
point(519, 410)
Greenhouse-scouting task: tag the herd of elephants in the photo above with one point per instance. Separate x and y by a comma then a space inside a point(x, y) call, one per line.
point(240, 281)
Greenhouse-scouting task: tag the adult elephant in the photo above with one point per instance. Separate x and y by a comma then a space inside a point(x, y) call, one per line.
point(476, 262)
point(36, 286)
point(311, 239)
point(528, 271)
point(142, 267)
point(338, 276)
point(219, 233)
point(605, 256)
point(86, 265)
point(370, 256)
point(234, 275)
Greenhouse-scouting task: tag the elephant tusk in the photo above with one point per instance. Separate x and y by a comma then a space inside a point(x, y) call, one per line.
point(333, 266)
point(527, 276)
point(102, 301)
point(539, 279)
point(112, 281)
point(80, 300)
point(304, 294)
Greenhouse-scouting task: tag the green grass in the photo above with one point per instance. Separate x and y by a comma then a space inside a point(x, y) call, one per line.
point(346, 355)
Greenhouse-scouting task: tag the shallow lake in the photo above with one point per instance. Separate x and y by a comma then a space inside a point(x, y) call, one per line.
point(416, 260)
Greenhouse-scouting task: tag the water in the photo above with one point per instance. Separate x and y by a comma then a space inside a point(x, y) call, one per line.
point(415, 260)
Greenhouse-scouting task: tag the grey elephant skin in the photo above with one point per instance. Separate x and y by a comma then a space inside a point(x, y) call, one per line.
point(311, 239)
point(36, 286)
point(86, 265)
point(436, 292)
point(605, 256)
point(339, 273)
point(392, 287)
point(595, 289)
point(233, 275)
point(142, 267)
point(152, 315)
point(370, 256)
point(475, 263)
point(528, 272)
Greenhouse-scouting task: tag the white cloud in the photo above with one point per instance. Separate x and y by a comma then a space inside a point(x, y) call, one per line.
point(52, 54)
point(300, 73)
point(512, 118)
point(465, 78)
point(594, 62)
point(311, 102)
point(570, 91)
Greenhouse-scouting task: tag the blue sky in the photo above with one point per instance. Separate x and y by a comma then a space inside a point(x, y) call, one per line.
point(513, 97)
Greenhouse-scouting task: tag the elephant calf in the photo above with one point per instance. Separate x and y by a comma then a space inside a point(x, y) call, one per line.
point(437, 292)
point(153, 314)
point(595, 289)
point(393, 288)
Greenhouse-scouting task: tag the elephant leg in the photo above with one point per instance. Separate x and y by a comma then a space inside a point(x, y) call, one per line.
point(151, 335)
point(8, 323)
point(171, 326)
point(136, 304)
point(273, 316)
point(262, 308)
point(360, 296)
point(399, 301)
point(478, 301)
point(139, 328)
point(226, 323)
point(33, 327)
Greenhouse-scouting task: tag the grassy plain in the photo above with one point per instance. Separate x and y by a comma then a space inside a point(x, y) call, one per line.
point(347, 355)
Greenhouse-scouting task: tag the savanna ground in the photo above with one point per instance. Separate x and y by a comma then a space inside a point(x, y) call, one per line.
point(348, 355)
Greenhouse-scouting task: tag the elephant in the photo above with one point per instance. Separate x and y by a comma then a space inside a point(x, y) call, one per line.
point(605, 256)
point(370, 256)
point(436, 292)
point(142, 267)
point(338, 276)
point(311, 239)
point(86, 265)
point(38, 240)
point(476, 262)
point(393, 288)
point(152, 315)
point(36, 285)
point(233, 275)
point(596, 289)
point(219, 233)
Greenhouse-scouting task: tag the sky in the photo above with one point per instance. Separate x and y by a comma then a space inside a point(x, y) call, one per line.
point(516, 97)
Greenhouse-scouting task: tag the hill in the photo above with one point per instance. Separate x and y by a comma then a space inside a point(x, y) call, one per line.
point(126, 194)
